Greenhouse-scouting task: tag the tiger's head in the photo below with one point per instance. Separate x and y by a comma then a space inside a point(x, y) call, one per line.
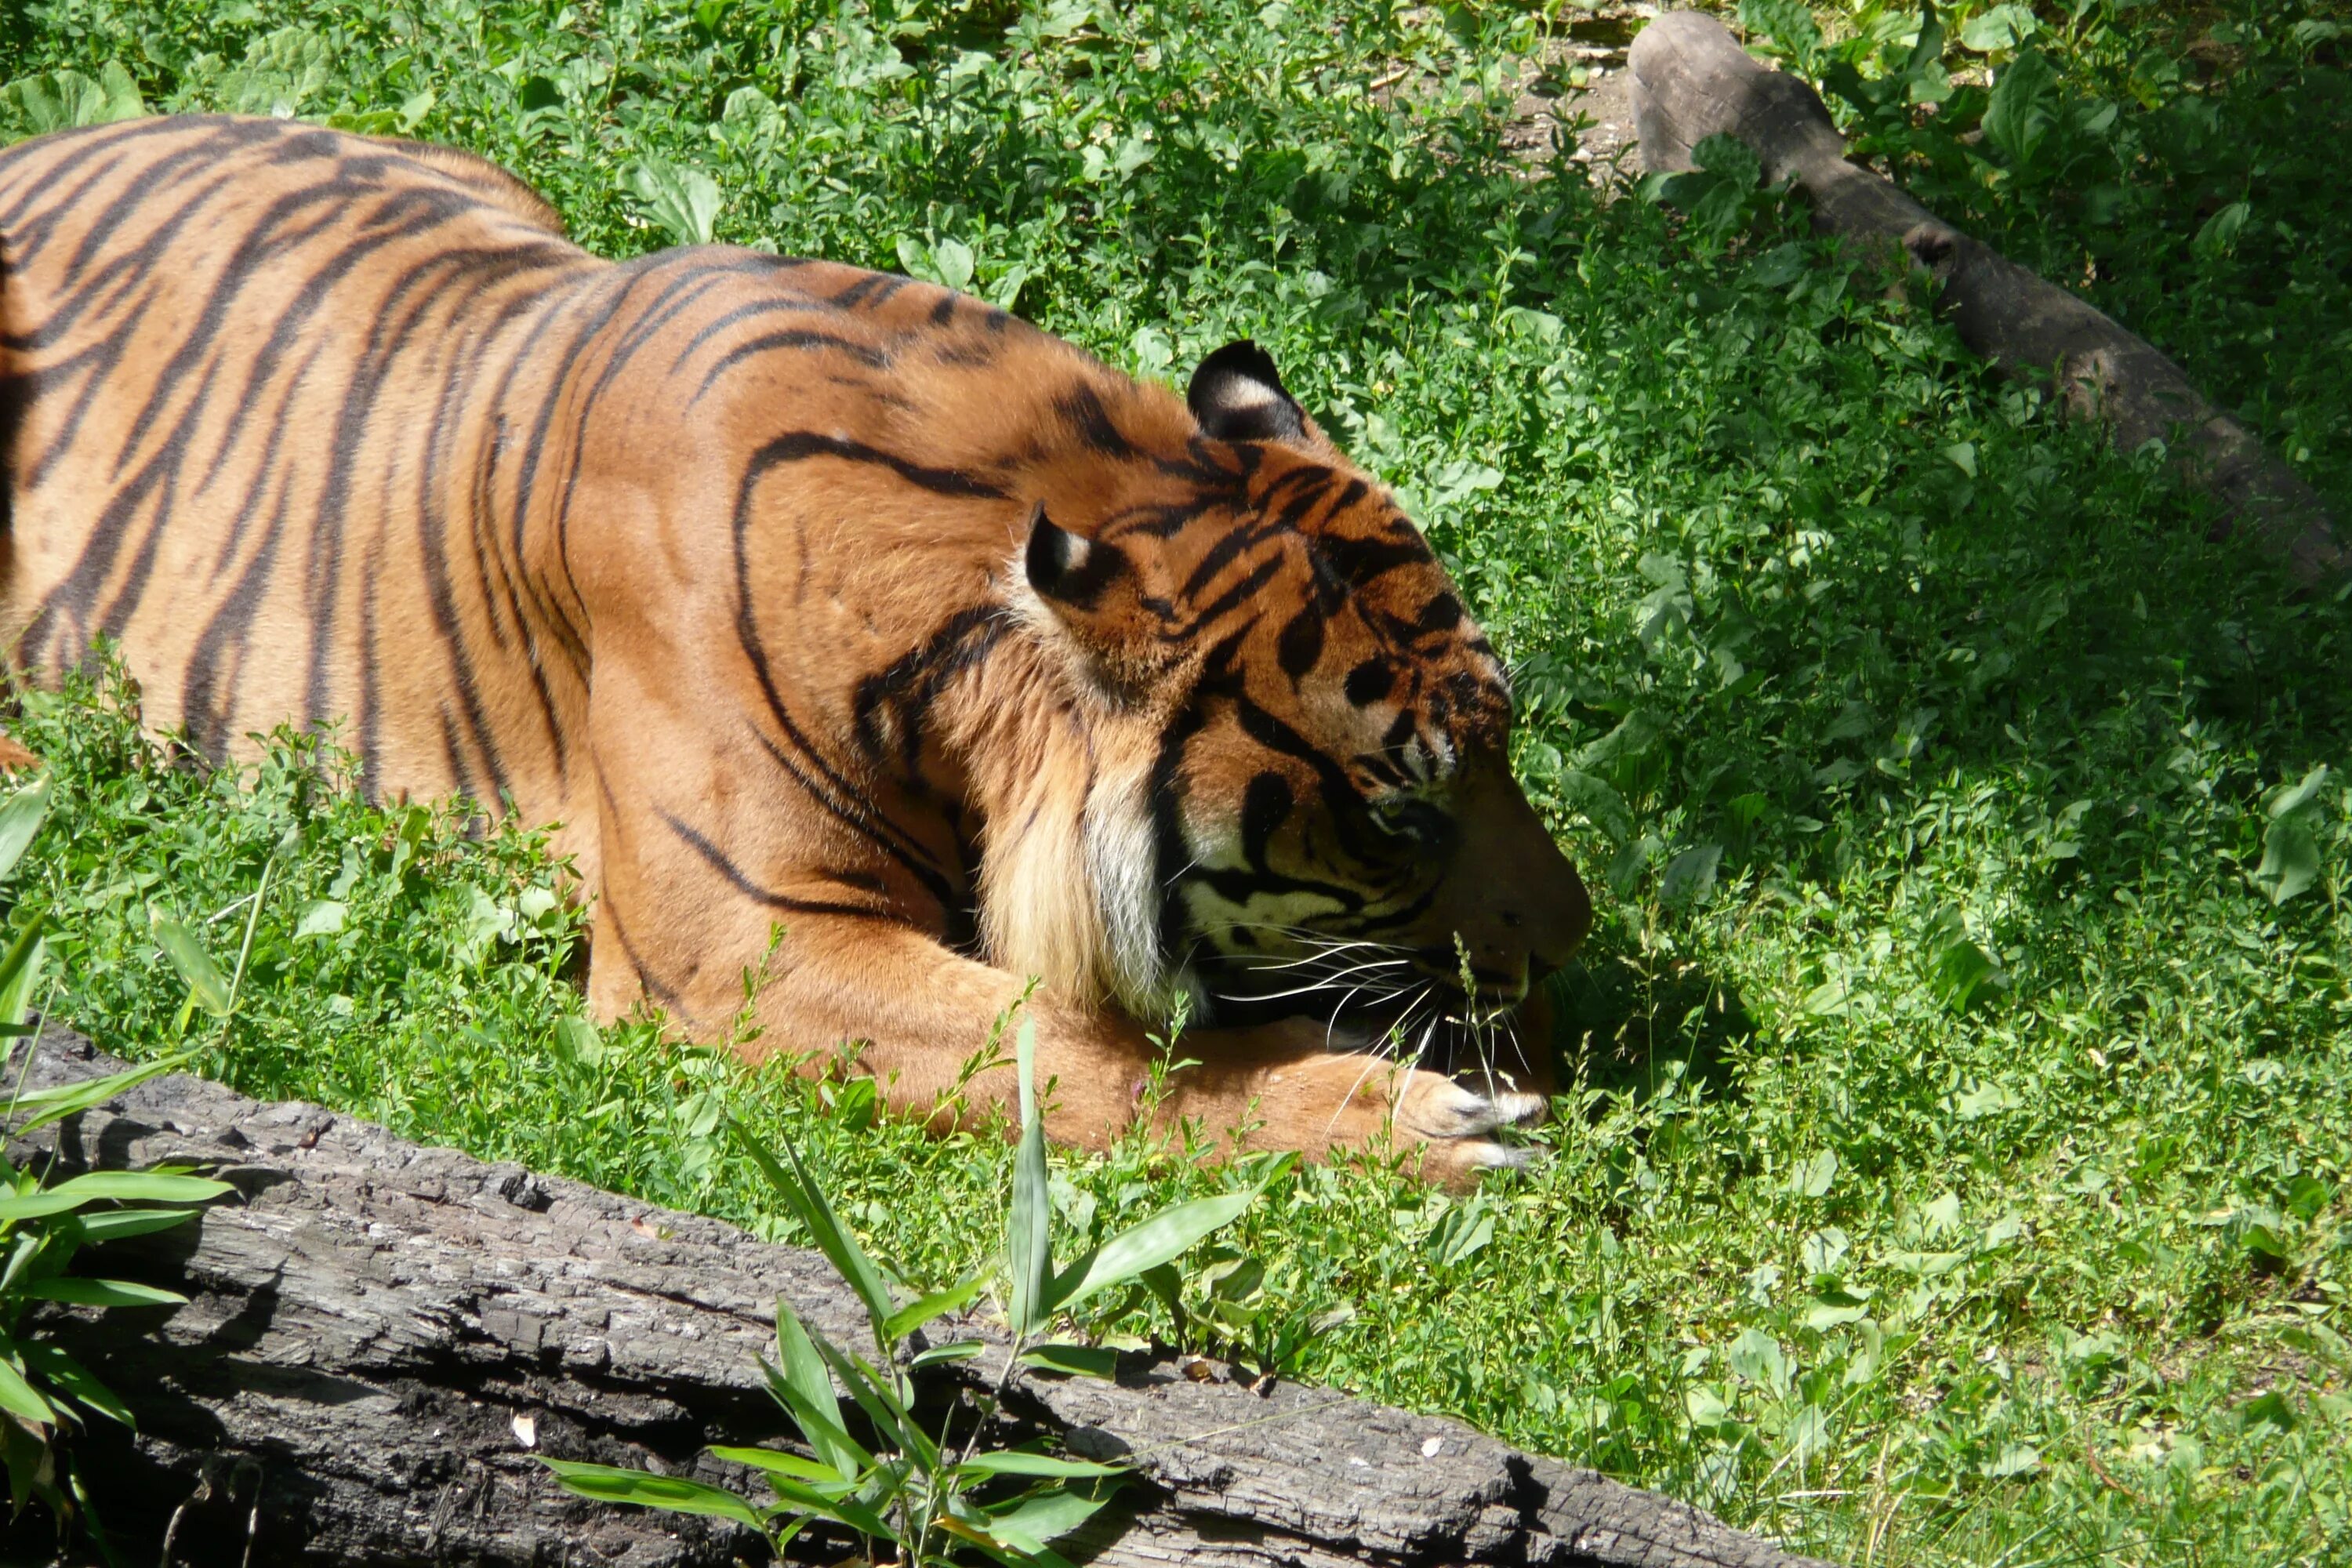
point(1300, 800)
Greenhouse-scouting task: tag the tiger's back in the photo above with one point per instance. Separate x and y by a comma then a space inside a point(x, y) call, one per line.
point(324, 428)
point(255, 375)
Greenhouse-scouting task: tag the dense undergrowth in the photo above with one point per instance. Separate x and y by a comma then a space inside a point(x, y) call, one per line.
point(1955, 1163)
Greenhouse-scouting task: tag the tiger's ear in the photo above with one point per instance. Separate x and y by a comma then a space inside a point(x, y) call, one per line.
point(1069, 572)
point(1238, 396)
point(1095, 595)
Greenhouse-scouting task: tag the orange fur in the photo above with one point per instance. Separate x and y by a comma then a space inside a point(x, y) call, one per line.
point(799, 595)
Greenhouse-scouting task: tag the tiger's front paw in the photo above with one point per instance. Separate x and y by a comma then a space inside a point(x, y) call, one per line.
point(1335, 1103)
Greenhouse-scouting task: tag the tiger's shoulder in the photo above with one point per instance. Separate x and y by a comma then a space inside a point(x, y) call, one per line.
point(493, 183)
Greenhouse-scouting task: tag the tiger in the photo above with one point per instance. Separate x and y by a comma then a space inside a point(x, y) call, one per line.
point(878, 656)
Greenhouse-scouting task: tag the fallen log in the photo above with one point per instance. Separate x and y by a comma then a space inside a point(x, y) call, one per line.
point(381, 1337)
point(1692, 81)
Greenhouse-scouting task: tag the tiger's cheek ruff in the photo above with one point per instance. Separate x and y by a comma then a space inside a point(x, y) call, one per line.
point(1123, 870)
point(1076, 899)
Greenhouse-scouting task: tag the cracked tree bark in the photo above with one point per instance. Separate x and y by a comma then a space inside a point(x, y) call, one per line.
point(380, 1337)
point(1692, 81)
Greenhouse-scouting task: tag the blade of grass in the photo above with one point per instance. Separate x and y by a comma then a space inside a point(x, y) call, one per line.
point(807, 1201)
point(1028, 1249)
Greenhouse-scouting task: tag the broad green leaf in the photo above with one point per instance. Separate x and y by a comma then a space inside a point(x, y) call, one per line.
point(2016, 1460)
point(70, 1378)
point(116, 1223)
point(2291, 862)
point(279, 70)
point(1000, 1550)
point(2289, 799)
point(1163, 1237)
point(776, 1462)
point(2306, 1195)
point(1706, 1407)
point(414, 108)
point(807, 1499)
point(1830, 999)
point(1757, 1357)
point(1599, 802)
point(1927, 48)
point(128, 1186)
point(1028, 1243)
point(807, 1202)
point(1827, 1315)
point(684, 203)
point(976, 1535)
point(673, 1494)
point(578, 1038)
point(20, 975)
point(2001, 27)
point(2218, 233)
point(1046, 1515)
point(2018, 118)
point(1729, 158)
point(84, 1292)
point(1976, 1100)
point(803, 1369)
point(24, 1449)
point(1690, 875)
point(1019, 1462)
point(1465, 1232)
point(60, 1100)
point(941, 1355)
point(937, 1304)
point(1811, 1178)
point(62, 99)
point(1959, 972)
point(21, 816)
point(1073, 1361)
point(819, 1424)
point(206, 984)
point(876, 1393)
point(26, 1247)
point(952, 257)
point(20, 1398)
point(1634, 737)
point(1787, 24)
point(321, 917)
point(1808, 1431)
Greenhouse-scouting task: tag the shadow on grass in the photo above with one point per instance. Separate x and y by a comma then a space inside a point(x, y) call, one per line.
point(1620, 1019)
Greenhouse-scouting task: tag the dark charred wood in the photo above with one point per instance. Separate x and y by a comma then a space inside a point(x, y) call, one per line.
point(1692, 81)
point(380, 1338)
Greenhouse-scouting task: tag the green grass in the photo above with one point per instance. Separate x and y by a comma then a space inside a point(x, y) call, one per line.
point(1955, 1168)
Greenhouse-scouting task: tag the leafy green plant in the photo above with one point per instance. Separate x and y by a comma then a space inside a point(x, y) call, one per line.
point(58, 101)
point(44, 1391)
point(917, 1490)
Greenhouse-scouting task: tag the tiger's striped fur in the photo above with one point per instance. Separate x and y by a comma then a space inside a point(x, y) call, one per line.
point(799, 595)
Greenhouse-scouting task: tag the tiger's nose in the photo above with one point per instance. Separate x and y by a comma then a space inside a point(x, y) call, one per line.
point(1553, 924)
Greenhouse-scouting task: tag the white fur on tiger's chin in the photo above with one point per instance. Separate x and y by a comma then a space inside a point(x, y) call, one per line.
point(1121, 857)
